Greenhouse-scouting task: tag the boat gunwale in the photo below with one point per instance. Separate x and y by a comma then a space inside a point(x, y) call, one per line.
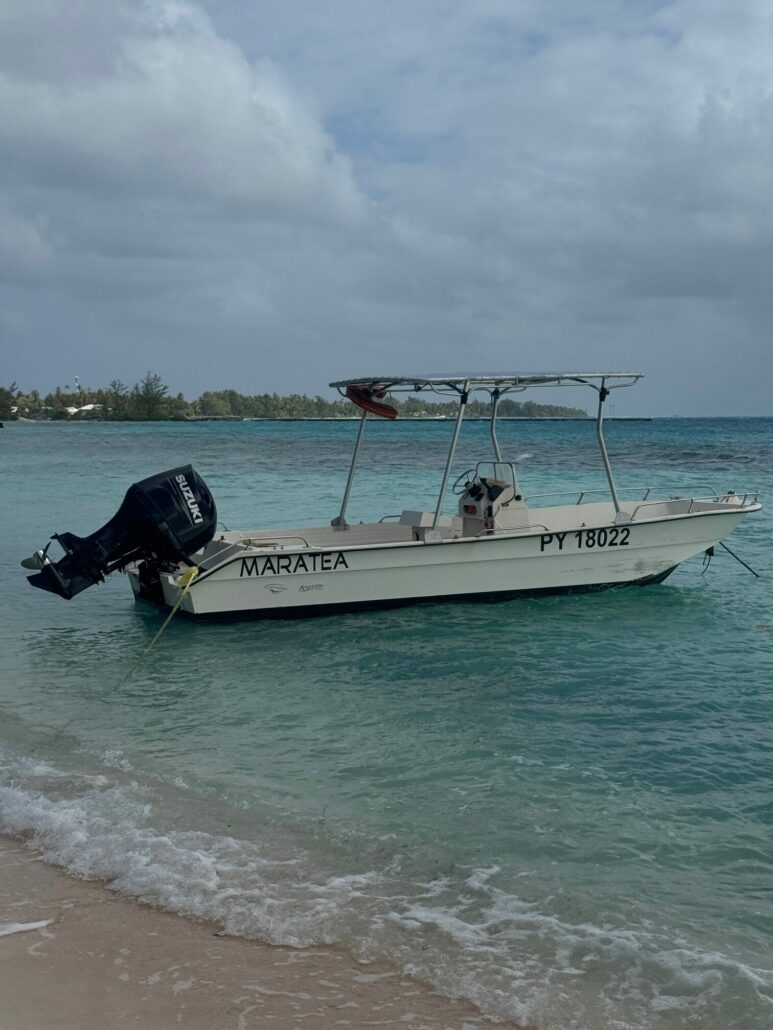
point(487, 537)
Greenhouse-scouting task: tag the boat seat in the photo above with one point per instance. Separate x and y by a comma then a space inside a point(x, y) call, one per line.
point(421, 521)
point(496, 487)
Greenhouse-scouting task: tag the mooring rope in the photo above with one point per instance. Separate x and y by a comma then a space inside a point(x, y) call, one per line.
point(185, 579)
point(740, 560)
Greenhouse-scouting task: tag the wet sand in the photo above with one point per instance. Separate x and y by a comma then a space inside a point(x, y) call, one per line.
point(75, 956)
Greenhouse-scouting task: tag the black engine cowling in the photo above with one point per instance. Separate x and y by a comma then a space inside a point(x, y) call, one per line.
point(165, 518)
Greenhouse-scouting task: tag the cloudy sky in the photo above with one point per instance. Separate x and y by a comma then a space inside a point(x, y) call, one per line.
point(270, 194)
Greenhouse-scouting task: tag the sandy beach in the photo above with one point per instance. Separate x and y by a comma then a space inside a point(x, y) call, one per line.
point(74, 955)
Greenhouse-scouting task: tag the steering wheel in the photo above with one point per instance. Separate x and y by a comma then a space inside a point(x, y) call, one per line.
point(462, 481)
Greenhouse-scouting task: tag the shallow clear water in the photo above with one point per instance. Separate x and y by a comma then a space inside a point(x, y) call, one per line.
point(559, 808)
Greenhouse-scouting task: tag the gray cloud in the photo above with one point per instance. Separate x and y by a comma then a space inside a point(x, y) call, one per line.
point(272, 195)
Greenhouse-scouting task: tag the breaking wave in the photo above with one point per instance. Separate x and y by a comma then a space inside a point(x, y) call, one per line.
point(457, 929)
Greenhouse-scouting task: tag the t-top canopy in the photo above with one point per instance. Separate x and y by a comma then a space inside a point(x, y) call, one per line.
point(510, 382)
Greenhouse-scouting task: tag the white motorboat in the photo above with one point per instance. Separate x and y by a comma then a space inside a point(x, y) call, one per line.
point(497, 543)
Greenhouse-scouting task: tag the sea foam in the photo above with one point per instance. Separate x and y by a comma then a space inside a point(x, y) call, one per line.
point(458, 931)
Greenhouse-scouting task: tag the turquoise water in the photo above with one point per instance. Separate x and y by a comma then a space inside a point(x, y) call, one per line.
point(559, 808)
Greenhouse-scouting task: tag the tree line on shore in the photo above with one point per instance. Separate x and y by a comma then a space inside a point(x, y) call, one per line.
point(150, 400)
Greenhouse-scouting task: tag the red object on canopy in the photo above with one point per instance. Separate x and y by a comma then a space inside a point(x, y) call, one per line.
point(364, 397)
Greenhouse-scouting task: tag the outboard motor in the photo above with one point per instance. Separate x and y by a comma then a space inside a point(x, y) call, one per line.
point(163, 520)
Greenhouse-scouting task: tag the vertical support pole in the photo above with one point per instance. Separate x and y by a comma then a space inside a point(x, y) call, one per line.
point(494, 406)
point(340, 521)
point(449, 460)
point(620, 516)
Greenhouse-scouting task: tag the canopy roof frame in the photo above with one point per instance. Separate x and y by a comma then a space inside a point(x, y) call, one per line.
point(497, 386)
point(502, 383)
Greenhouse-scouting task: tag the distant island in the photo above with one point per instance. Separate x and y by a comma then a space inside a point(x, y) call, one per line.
point(150, 399)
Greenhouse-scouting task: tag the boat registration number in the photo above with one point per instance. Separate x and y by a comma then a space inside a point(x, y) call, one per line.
point(586, 539)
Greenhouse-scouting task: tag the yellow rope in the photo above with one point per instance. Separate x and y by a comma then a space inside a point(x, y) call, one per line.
point(185, 579)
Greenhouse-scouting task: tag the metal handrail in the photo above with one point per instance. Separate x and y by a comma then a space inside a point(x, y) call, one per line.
point(566, 493)
point(256, 543)
point(750, 493)
point(504, 529)
point(602, 490)
point(662, 500)
point(742, 501)
point(385, 517)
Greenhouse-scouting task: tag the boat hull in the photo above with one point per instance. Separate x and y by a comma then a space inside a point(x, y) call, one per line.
point(303, 581)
